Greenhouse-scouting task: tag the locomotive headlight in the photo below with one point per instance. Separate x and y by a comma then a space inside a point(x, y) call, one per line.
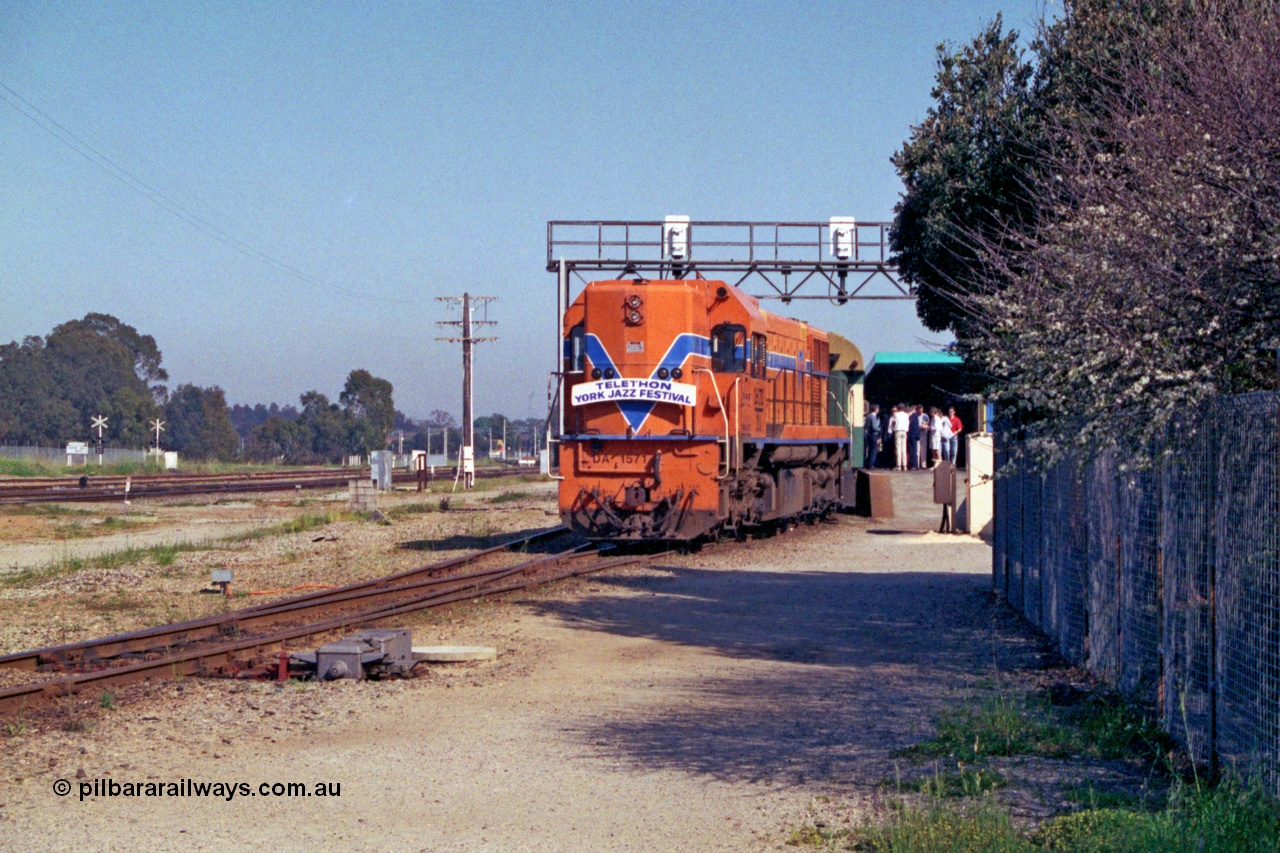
point(663, 373)
point(634, 317)
point(676, 373)
point(595, 373)
point(608, 373)
point(634, 301)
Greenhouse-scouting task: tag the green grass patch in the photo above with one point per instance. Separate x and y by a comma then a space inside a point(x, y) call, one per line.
point(75, 529)
point(36, 467)
point(509, 497)
point(43, 468)
point(1090, 796)
point(301, 524)
point(162, 555)
point(966, 780)
point(418, 508)
point(1100, 725)
point(972, 827)
point(1231, 818)
point(999, 725)
point(165, 555)
point(46, 510)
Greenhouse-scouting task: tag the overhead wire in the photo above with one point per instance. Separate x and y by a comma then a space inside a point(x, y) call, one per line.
point(60, 132)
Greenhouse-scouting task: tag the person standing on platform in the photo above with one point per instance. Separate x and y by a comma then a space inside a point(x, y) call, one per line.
point(913, 439)
point(957, 429)
point(944, 436)
point(936, 436)
point(871, 428)
point(900, 423)
point(926, 437)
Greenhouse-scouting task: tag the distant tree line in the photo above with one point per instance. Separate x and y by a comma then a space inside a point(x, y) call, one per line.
point(326, 431)
point(50, 388)
point(1098, 219)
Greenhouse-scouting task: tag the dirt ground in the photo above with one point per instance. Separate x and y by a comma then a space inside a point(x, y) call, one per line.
point(710, 701)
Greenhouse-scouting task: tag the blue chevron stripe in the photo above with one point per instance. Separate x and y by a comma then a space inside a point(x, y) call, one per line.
point(637, 411)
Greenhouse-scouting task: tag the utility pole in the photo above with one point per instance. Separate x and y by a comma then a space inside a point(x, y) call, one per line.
point(466, 454)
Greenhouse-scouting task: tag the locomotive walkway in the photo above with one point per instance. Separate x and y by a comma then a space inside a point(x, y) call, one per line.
point(705, 702)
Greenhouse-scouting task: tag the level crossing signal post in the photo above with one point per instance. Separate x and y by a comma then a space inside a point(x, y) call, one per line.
point(468, 339)
point(99, 422)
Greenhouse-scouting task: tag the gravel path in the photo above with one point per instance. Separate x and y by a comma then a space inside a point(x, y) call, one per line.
point(706, 702)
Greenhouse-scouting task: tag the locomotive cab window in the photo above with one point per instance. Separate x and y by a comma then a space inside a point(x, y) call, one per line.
point(759, 355)
point(729, 348)
point(577, 349)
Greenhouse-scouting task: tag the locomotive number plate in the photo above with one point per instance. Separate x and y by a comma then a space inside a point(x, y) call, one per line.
point(619, 463)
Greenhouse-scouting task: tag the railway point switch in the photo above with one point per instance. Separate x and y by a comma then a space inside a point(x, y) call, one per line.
point(381, 652)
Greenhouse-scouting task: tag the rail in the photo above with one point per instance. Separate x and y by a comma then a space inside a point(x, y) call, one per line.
point(244, 641)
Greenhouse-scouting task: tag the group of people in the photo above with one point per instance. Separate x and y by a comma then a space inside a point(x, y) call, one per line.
point(920, 439)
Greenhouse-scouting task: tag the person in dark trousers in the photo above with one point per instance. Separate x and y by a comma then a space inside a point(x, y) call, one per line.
point(871, 427)
point(913, 440)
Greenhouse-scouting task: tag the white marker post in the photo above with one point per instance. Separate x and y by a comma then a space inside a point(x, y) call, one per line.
point(99, 422)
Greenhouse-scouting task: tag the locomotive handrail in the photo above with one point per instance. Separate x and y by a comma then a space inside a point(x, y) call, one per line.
point(551, 412)
point(728, 448)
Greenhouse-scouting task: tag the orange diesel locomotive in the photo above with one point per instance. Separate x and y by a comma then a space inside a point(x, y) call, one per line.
point(690, 412)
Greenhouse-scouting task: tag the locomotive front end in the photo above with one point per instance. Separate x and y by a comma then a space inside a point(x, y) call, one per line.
point(640, 444)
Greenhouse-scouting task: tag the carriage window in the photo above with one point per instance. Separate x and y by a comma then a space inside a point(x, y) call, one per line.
point(577, 349)
point(759, 355)
point(729, 349)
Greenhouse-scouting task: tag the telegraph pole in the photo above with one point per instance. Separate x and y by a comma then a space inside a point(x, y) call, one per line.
point(466, 454)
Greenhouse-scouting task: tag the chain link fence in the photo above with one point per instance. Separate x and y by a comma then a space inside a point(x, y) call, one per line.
point(58, 455)
point(1163, 580)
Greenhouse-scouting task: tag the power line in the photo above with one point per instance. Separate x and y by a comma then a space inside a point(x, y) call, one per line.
point(64, 135)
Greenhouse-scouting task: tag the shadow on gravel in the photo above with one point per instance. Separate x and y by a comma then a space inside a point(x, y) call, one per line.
point(833, 670)
point(461, 542)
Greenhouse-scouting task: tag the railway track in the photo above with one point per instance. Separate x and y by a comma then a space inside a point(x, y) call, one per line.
point(248, 640)
point(26, 490)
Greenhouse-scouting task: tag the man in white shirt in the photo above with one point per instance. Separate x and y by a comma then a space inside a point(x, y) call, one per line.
point(900, 423)
point(942, 424)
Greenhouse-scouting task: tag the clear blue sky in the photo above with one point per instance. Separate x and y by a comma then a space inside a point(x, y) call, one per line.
point(386, 153)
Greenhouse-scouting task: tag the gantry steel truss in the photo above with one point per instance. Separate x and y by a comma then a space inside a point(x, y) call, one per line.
point(784, 256)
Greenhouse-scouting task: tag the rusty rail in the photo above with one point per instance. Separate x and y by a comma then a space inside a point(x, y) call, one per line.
point(229, 643)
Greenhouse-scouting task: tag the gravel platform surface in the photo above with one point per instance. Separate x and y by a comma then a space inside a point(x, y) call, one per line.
point(703, 702)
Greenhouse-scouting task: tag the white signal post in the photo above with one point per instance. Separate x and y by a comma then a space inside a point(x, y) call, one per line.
point(158, 425)
point(99, 422)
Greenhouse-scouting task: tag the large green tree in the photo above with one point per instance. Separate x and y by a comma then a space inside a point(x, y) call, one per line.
point(1153, 281)
point(963, 172)
point(1099, 225)
point(200, 423)
point(327, 425)
point(281, 439)
point(51, 387)
point(367, 401)
point(31, 408)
